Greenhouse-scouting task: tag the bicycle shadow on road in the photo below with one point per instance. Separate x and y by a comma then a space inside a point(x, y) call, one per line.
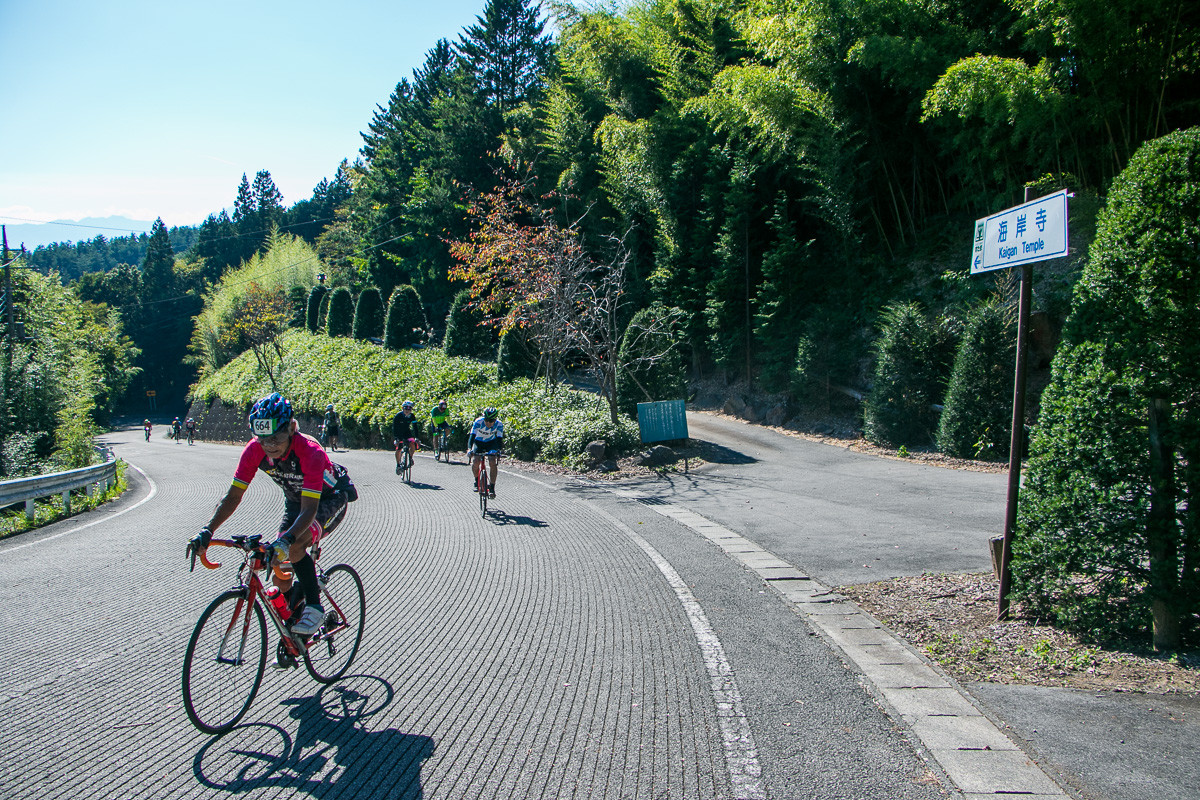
point(332, 752)
point(418, 485)
point(500, 518)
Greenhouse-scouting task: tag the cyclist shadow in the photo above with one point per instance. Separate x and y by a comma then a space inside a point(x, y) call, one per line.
point(332, 753)
point(418, 485)
point(500, 518)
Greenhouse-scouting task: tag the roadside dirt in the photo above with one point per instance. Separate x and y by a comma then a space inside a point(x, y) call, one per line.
point(952, 619)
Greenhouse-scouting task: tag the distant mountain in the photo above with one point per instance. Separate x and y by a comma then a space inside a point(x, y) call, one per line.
point(38, 234)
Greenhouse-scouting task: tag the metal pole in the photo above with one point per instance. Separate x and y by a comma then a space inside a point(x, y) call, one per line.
point(1017, 442)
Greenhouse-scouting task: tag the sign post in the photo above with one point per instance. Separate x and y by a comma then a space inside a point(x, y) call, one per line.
point(1036, 230)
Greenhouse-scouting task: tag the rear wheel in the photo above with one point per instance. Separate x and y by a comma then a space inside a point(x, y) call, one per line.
point(481, 485)
point(333, 647)
point(224, 663)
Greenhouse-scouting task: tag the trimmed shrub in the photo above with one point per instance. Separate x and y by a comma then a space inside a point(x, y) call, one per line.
point(909, 365)
point(315, 299)
point(298, 300)
point(405, 325)
point(640, 380)
point(368, 314)
point(977, 416)
point(830, 353)
point(1108, 538)
point(466, 333)
point(341, 312)
point(517, 356)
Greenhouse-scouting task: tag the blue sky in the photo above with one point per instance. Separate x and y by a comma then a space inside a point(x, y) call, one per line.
point(155, 109)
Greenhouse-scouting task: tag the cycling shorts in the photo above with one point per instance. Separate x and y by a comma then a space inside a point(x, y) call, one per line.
point(330, 513)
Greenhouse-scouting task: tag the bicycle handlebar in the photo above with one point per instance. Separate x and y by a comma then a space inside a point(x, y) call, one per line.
point(252, 544)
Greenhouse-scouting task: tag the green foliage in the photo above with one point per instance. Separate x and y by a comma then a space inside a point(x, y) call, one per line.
point(368, 314)
point(910, 355)
point(517, 356)
point(405, 324)
point(830, 349)
point(312, 317)
point(1106, 537)
point(297, 297)
point(341, 312)
point(650, 366)
point(466, 333)
point(288, 262)
point(976, 419)
point(365, 382)
point(72, 370)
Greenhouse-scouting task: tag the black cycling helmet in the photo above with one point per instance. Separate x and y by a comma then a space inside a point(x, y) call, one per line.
point(441, 403)
point(270, 414)
point(490, 413)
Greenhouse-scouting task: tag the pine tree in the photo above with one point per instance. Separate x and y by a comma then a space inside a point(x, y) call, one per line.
point(507, 53)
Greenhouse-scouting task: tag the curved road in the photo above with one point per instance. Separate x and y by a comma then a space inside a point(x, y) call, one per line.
point(602, 642)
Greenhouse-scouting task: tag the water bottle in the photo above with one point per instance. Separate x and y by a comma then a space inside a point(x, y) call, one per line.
point(279, 601)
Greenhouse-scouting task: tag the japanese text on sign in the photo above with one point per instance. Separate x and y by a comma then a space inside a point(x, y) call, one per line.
point(1033, 231)
point(662, 421)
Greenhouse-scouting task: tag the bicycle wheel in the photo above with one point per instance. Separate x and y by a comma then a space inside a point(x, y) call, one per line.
point(224, 663)
point(481, 485)
point(407, 471)
point(334, 645)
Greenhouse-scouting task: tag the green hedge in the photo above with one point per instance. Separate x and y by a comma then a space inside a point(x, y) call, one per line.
point(368, 383)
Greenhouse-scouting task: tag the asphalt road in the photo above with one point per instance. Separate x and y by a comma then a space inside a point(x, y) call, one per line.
point(575, 645)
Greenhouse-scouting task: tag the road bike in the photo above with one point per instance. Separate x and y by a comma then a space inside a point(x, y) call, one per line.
point(146, 430)
point(441, 444)
point(404, 465)
point(227, 654)
point(481, 480)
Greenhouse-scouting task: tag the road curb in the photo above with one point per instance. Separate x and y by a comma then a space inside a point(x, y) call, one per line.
point(970, 749)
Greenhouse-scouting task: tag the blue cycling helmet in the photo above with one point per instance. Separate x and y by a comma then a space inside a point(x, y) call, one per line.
point(270, 414)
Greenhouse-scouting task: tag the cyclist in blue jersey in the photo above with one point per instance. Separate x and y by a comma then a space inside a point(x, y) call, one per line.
point(487, 433)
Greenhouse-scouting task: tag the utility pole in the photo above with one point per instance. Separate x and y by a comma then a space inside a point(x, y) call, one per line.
point(8, 345)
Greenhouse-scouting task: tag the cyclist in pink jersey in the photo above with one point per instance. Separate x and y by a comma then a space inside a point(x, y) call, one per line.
point(315, 492)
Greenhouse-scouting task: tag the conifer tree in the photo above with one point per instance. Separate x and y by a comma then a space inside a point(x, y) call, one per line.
point(507, 52)
point(405, 323)
point(341, 312)
point(368, 314)
point(466, 333)
point(313, 316)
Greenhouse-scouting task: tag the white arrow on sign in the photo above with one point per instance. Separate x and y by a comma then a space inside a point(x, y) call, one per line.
point(1033, 231)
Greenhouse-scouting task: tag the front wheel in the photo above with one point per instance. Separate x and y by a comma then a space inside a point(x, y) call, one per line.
point(333, 647)
point(224, 663)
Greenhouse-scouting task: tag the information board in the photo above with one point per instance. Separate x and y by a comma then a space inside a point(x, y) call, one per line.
point(662, 421)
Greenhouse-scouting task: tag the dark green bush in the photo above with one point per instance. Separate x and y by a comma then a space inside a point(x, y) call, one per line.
point(829, 354)
point(313, 316)
point(649, 364)
point(910, 363)
point(368, 314)
point(341, 312)
point(298, 300)
point(976, 421)
point(1108, 537)
point(405, 324)
point(517, 356)
point(466, 333)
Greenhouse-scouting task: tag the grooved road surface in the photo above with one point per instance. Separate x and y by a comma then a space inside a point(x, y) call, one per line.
point(576, 644)
point(545, 653)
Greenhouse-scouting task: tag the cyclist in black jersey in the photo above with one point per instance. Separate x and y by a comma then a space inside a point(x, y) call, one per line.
point(405, 430)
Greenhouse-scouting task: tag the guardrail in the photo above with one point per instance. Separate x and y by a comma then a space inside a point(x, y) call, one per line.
point(28, 490)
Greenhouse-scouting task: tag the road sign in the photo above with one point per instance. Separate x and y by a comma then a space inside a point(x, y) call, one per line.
point(151, 393)
point(1032, 231)
point(662, 421)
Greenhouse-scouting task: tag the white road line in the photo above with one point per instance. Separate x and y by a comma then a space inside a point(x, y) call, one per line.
point(741, 753)
point(144, 500)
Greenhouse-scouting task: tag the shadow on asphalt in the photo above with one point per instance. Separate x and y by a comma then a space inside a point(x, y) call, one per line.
point(500, 518)
point(418, 485)
point(714, 453)
point(332, 754)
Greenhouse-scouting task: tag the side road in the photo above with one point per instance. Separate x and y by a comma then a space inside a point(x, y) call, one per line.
point(842, 517)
